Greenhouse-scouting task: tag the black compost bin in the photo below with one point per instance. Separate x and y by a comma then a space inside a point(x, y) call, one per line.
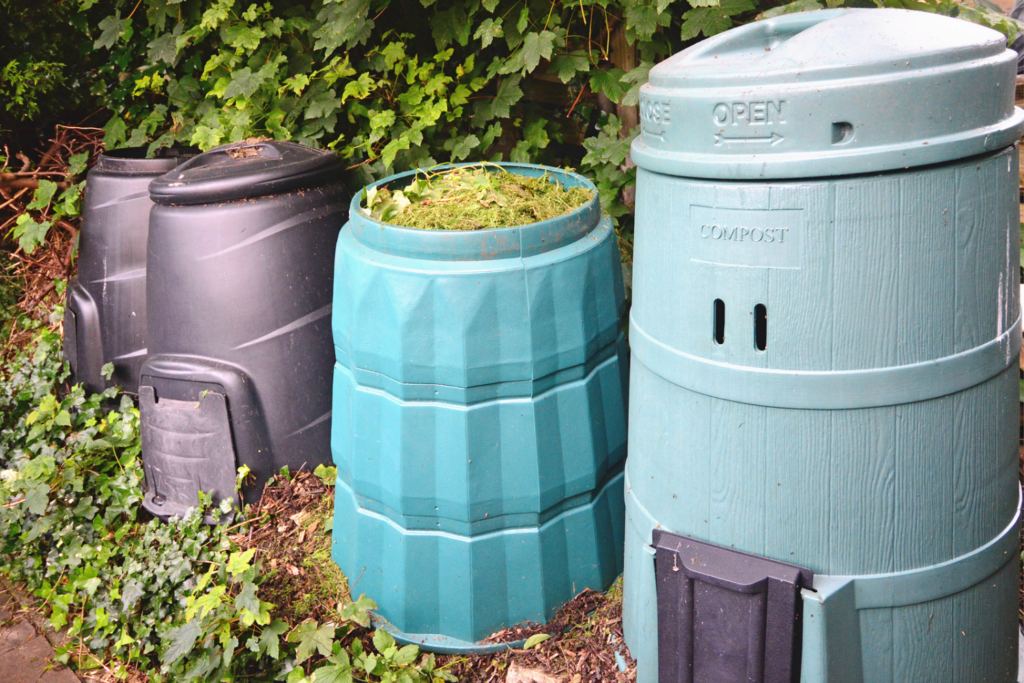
point(240, 262)
point(105, 319)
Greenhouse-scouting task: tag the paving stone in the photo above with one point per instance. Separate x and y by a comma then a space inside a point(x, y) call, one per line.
point(25, 655)
point(27, 660)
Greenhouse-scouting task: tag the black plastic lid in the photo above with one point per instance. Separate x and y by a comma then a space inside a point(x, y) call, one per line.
point(244, 170)
point(133, 160)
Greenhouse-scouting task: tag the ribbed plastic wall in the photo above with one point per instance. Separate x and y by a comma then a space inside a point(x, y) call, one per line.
point(105, 321)
point(241, 269)
point(479, 421)
point(876, 433)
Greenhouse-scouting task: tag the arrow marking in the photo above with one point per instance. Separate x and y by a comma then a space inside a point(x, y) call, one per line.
point(772, 139)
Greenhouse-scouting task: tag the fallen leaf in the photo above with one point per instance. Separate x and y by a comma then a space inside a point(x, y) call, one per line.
point(535, 640)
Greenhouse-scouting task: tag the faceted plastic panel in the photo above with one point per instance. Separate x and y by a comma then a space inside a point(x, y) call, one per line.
point(479, 418)
point(469, 323)
point(469, 587)
point(494, 463)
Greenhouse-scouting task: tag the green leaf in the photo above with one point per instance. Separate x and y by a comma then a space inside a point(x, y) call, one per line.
point(464, 146)
point(707, 20)
point(30, 234)
point(37, 498)
point(406, 656)
point(382, 640)
point(311, 638)
point(243, 84)
point(391, 150)
point(791, 8)
point(334, 673)
point(359, 88)
point(247, 600)
point(242, 36)
point(991, 17)
point(77, 164)
point(488, 30)
point(490, 5)
point(635, 78)
point(328, 475)
point(164, 48)
point(451, 25)
point(343, 23)
point(39, 468)
point(206, 138)
point(112, 28)
point(270, 639)
point(734, 7)
point(107, 371)
point(608, 82)
point(507, 95)
point(535, 640)
point(358, 611)
point(115, 133)
point(239, 562)
point(524, 20)
point(182, 641)
point(644, 19)
point(537, 46)
point(567, 66)
point(133, 590)
point(43, 195)
point(91, 585)
point(324, 104)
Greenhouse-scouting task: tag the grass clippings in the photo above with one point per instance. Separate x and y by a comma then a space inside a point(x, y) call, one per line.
point(473, 198)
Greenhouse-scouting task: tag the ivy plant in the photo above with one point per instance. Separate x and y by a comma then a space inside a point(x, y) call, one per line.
point(179, 600)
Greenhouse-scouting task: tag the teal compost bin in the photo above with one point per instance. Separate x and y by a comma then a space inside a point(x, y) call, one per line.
point(479, 418)
point(825, 335)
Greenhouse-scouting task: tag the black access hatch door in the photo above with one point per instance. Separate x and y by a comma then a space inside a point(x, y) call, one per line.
point(725, 616)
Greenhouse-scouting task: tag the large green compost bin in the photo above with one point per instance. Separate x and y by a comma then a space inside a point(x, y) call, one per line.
point(479, 421)
point(825, 336)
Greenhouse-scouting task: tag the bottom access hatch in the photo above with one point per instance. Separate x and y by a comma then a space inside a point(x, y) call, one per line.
point(725, 616)
point(188, 448)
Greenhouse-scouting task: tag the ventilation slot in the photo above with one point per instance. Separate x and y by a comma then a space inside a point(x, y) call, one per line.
point(842, 132)
point(760, 327)
point(719, 321)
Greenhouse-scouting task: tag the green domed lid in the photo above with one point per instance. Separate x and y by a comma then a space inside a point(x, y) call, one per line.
point(832, 92)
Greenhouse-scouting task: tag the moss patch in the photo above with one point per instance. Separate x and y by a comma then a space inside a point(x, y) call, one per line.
point(473, 198)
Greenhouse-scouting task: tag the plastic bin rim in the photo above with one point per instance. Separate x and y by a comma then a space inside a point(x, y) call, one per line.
point(134, 160)
point(478, 245)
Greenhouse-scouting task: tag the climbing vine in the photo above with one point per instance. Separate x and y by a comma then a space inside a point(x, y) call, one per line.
point(395, 84)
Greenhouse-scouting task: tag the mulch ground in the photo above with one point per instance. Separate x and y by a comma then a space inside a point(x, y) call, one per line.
point(288, 532)
point(586, 647)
